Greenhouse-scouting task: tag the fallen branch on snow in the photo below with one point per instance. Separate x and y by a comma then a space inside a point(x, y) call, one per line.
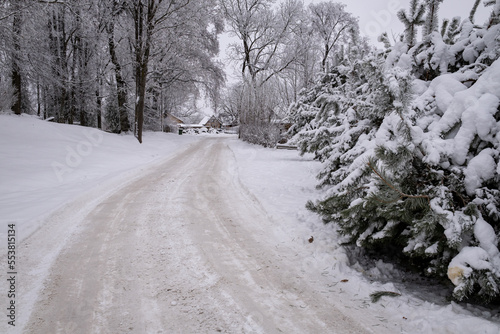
point(375, 296)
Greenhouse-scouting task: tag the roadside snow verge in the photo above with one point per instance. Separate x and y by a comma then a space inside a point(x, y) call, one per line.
point(45, 165)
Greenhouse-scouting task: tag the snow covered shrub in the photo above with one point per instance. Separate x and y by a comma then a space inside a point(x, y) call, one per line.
point(459, 116)
point(258, 113)
point(412, 156)
point(378, 187)
point(266, 135)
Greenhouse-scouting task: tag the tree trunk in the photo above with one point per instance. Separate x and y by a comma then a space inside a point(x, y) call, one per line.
point(16, 83)
point(144, 26)
point(121, 87)
point(38, 100)
point(58, 95)
point(141, 103)
point(99, 108)
point(16, 69)
point(247, 62)
point(62, 116)
point(324, 61)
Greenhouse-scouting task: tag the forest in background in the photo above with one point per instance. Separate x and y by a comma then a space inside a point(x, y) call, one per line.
point(119, 63)
point(123, 65)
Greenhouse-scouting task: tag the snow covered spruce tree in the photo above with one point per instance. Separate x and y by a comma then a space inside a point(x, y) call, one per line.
point(411, 151)
point(458, 113)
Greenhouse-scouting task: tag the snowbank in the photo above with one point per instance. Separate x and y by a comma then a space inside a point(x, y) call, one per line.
point(44, 165)
point(283, 181)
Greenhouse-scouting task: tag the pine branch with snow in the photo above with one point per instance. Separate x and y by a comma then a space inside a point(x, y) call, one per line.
point(412, 20)
point(432, 17)
point(474, 10)
point(452, 31)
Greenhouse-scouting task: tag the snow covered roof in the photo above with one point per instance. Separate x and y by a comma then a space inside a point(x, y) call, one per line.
point(175, 118)
point(204, 120)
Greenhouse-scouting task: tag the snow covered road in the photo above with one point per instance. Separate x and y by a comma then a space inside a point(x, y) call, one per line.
point(183, 248)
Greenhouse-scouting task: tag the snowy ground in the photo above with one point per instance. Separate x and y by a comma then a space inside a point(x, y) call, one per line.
point(186, 234)
point(44, 165)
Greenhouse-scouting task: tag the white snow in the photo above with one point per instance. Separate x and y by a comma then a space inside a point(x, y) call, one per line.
point(44, 165)
point(466, 113)
point(480, 168)
point(485, 233)
point(445, 87)
point(282, 181)
point(204, 120)
point(469, 257)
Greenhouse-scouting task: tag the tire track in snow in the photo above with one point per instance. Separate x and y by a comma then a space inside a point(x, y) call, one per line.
point(182, 249)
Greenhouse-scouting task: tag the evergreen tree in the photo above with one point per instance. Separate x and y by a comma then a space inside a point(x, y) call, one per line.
point(495, 13)
point(474, 10)
point(384, 38)
point(432, 18)
point(452, 31)
point(367, 200)
point(412, 20)
point(444, 26)
point(410, 153)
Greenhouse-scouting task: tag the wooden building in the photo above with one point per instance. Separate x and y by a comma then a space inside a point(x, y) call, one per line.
point(211, 122)
point(171, 123)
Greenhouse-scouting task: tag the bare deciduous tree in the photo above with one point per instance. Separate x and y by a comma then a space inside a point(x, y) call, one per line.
point(265, 36)
point(331, 23)
point(112, 10)
point(155, 19)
